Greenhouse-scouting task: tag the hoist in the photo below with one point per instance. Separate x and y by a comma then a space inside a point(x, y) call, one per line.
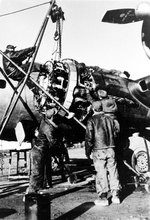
point(57, 17)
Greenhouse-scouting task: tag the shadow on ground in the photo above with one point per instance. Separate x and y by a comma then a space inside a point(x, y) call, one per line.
point(4, 212)
point(76, 212)
point(80, 169)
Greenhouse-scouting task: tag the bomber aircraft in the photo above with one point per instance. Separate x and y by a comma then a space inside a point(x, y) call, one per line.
point(66, 85)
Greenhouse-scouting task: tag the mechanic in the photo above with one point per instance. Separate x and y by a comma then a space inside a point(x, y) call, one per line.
point(100, 141)
point(40, 153)
point(18, 57)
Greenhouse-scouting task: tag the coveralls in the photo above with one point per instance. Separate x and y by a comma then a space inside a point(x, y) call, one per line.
point(41, 155)
point(18, 57)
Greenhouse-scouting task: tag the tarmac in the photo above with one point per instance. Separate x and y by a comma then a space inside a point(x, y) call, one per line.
point(72, 200)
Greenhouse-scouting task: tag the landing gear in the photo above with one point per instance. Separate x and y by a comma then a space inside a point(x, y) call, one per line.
point(140, 164)
point(140, 161)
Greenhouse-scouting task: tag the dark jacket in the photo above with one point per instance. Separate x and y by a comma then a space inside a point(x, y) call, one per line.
point(101, 131)
point(17, 57)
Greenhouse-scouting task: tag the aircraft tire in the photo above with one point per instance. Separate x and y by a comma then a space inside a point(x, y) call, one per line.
point(139, 161)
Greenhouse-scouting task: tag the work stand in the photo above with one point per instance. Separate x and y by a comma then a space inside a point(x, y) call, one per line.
point(21, 158)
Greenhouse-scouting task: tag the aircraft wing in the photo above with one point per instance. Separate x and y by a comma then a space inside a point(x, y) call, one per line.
point(120, 16)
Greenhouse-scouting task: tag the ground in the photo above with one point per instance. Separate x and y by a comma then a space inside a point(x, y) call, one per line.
point(73, 201)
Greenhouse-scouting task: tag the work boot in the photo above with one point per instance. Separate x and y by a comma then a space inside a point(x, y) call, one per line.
point(115, 197)
point(102, 200)
point(29, 190)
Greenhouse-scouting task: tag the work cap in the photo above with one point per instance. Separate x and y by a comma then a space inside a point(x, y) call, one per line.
point(10, 47)
point(102, 93)
point(97, 106)
point(51, 112)
point(81, 66)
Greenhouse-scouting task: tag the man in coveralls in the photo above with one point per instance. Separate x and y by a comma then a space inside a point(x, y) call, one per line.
point(40, 153)
point(18, 57)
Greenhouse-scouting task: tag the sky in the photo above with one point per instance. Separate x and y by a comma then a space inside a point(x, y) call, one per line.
point(84, 38)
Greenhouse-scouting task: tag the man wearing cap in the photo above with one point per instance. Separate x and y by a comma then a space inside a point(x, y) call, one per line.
point(40, 153)
point(109, 106)
point(18, 57)
point(100, 141)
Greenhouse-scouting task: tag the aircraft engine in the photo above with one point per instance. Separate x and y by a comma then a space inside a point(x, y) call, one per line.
point(64, 82)
point(143, 10)
point(55, 82)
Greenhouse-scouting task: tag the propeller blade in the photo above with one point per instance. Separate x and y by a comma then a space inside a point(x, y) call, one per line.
point(146, 37)
point(121, 16)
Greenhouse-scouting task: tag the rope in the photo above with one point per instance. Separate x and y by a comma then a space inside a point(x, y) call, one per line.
point(58, 39)
point(14, 12)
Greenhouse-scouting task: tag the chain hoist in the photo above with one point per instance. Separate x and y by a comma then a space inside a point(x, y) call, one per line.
point(58, 17)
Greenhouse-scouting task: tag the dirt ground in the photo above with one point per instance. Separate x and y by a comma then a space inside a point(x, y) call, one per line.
point(74, 201)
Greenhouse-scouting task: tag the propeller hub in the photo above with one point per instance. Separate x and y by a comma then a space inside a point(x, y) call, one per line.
point(143, 10)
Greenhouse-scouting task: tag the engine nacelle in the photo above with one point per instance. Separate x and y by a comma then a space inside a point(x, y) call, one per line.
point(143, 11)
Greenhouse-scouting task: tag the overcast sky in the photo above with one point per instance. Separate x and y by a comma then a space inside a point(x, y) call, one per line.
point(85, 38)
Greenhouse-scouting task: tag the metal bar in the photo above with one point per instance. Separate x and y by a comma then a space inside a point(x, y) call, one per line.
point(15, 91)
point(7, 109)
point(131, 168)
point(21, 99)
point(14, 104)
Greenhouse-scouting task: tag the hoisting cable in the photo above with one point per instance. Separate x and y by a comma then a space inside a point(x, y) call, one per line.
point(58, 17)
point(14, 12)
point(59, 39)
